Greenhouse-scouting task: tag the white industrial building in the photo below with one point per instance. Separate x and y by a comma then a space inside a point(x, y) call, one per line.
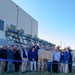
point(12, 14)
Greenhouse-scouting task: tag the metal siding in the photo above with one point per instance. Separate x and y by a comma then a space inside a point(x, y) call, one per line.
point(35, 28)
point(9, 13)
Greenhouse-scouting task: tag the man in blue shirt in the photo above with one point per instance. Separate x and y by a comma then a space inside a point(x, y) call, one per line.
point(56, 59)
point(10, 56)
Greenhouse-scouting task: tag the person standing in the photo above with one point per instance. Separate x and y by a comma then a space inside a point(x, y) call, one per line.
point(10, 56)
point(71, 59)
point(56, 59)
point(65, 61)
point(49, 61)
point(3, 56)
point(17, 56)
point(40, 61)
point(24, 56)
point(61, 60)
point(36, 45)
point(33, 59)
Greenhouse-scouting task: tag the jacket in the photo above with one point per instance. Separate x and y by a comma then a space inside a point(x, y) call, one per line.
point(33, 55)
point(66, 57)
point(17, 56)
point(3, 54)
point(10, 54)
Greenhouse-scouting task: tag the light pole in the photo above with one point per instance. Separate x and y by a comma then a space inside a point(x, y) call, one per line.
point(61, 44)
point(64, 45)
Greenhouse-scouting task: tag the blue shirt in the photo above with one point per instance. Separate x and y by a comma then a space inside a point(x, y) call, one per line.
point(66, 57)
point(10, 54)
point(56, 56)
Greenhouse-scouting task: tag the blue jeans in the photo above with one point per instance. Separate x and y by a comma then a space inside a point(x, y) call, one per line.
point(49, 66)
point(10, 67)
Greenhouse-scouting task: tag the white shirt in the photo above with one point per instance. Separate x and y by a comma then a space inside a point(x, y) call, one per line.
point(22, 53)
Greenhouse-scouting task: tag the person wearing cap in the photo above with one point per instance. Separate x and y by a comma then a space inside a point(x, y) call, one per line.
point(49, 61)
point(40, 61)
point(71, 59)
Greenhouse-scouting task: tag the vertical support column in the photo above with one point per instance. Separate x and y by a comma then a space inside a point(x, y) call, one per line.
point(31, 26)
point(17, 17)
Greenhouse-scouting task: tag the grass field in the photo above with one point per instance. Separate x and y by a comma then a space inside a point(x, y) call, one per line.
point(36, 73)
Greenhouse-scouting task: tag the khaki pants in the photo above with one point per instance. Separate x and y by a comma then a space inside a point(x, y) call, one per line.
point(40, 64)
point(65, 68)
point(61, 67)
point(2, 66)
point(24, 64)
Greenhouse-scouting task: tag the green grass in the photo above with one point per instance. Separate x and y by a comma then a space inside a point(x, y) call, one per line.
point(38, 73)
point(35, 73)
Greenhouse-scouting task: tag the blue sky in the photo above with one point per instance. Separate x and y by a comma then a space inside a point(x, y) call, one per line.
point(56, 19)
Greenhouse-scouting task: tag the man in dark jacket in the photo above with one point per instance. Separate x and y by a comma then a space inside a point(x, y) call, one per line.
point(17, 56)
point(3, 56)
point(71, 59)
point(24, 56)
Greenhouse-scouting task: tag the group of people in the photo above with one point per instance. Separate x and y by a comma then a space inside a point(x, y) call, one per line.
point(62, 61)
point(18, 59)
